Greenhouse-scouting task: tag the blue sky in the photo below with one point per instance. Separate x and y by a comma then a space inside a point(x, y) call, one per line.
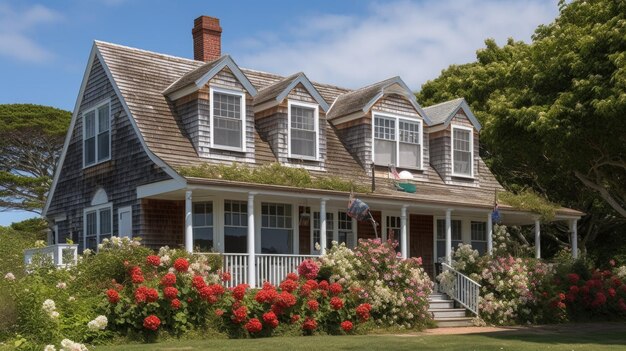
point(44, 45)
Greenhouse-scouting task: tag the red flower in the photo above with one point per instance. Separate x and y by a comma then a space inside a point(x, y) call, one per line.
point(267, 294)
point(151, 322)
point(346, 326)
point(599, 300)
point(335, 288)
point(153, 260)
point(292, 276)
point(313, 305)
point(198, 282)
point(134, 270)
point(270, 319)
point(295, 318)
point(151, 295)
point(240, 291)
point(561, 296)
point(140, 294)
point(336, 303)
point(323, 285)
point(573, 278)
point(225, 276)
point(285, 300)
point(169, 279)
point(175, 304)
point(573, 289)
point(240, 315)
point(309, 324)
point(289, 285)
point(170, 292)
point(363, 311)
point(308, 268)
point(137, 278)
point(254, 326)
point(612, 262)
point(181, 265)
point(612, 292)
point(561, 305)
point(113, 296)
point(219, 312)
point(217, 289)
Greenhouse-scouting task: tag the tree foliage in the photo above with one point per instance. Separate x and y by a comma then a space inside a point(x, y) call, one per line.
point(31, 140)
point(554, 110)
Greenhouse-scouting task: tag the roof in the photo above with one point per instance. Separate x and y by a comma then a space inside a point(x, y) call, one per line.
point(442, 113)
point(278, 91)
point(361, 100)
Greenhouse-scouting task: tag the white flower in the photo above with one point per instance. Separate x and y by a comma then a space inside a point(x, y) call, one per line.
point(69, 345)
point(54, 314)
point(87, 252)
point(71, 299)
point(9, 276)
point(100, 323)
point(40, 244)
point(61, 285)
point(50, 348)
point(49, 306)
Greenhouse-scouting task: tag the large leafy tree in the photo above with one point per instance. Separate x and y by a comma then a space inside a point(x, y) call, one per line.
point(31, 140)
point(554, 111)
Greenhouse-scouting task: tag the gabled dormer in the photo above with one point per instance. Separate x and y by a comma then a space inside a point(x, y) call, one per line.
point(383, 124)
point(454, 142)
point(291, 116)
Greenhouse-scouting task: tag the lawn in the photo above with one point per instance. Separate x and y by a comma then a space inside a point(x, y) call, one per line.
point(560, 340)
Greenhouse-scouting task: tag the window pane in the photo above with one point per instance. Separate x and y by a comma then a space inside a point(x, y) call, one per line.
point(410, 155)
point(384, 128)
point(303, 143)
point(103, 118)
point(462, 162)
point(92, 224)
point(235, 239)
point(479, 231)
point(203, 239)
point(90, 124)
point(302, 118)
point(105, 221)
point(409, 132)
point(227, 132)
point(103, 146)
point(385, 152)
point(462, 152)
point(90, 150)
point(226, 105)
point(276, 241)
point(457, 226)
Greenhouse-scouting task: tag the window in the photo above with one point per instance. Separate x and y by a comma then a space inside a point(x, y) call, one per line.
point(98, 225)
point(235, 226)
point(397, 142)
point(344, 229)
point(97, 135)
point(394, 230)
point(303, 130)
point(479, 236)
point(462, 153)
point(316, 231)
point(457, 236)
point(228, 121)
point(203, 240)
point(276, 228)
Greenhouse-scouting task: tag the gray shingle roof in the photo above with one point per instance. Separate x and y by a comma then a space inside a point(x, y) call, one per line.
point(192, 76)
point(443, 112)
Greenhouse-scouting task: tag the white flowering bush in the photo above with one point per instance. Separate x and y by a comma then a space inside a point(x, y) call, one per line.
point(99, 323)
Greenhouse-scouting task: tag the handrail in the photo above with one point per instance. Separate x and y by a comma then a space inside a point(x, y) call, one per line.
point(466, 291)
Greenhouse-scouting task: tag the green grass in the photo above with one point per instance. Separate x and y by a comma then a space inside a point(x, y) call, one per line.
point(614, 340)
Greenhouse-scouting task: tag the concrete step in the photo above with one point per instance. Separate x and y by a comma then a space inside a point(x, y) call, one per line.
point(454, 322)
point(438, 296)
point(438, 313)
point(441, 304)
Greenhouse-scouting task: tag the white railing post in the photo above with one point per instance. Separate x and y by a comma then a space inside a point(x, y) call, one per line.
point(251, 242)
point(323, 226)
point(573, 227)
point(489, 234)
point(537, 239)
point(403, 235)
point(188, 222)
point(448, 236)
point(465, 291)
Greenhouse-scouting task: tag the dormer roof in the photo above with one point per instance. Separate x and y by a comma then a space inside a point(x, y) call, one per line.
point(442, 113)
point(277, 92)
point(356, 103)
point(197, 78)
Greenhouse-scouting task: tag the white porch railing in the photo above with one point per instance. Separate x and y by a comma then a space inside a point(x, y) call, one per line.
point(61, 255)
point(237, 265)
point(274, 268)
point(465, 291)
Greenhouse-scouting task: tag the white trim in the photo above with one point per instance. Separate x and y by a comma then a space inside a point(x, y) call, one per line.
point(242, 105)
point(95, 109)
point(161, 187)
point(316, 117)
point(100, 197)
point(97, 210)
point(121, 210)
point(60, 218)
point(182, 92)
point(397, 118)
point(471, 140)
point(304, 80)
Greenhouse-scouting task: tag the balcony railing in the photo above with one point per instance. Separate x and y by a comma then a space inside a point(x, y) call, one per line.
point(61, 255)
point(274, 268)
point(465, 291)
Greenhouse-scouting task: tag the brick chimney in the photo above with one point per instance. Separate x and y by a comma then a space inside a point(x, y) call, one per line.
point(207, 38)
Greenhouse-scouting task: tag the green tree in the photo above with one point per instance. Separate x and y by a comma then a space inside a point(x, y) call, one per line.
point(554, 111)
point(31, 140)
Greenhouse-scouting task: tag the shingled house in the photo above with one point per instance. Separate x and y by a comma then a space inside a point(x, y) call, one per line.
point(141, 115)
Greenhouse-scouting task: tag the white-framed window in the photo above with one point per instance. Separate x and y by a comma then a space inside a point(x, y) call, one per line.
point(462, 151)
point(98, 223)
point(203, 237)
point(345, 234)
point(235, 226)
point(228, 119)
point(276, 228)
point(457, 235)
point(394, 230)
point(97, 134)
point(479, 236)
point(303, 130)
point(397, 141)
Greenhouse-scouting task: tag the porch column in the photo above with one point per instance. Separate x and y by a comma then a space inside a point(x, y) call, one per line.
point(573, 228)
point(188, 222)
point(449, 236)
point(489, 234)
point(537, 239)
point(323, 226)
point(403, 242)
point(251, 242)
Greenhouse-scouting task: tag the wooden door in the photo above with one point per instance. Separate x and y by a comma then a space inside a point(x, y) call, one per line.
point(421, 240)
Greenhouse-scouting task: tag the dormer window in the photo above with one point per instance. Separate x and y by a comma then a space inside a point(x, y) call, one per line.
point(303, 121)
point(462, 151)
point(97, 135)
point(228, 119)
point(397, 141)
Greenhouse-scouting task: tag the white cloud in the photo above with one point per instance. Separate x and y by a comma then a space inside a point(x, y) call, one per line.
point(414, 40)
point(17, 28)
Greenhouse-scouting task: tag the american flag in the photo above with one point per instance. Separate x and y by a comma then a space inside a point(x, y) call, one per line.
point(394, 172)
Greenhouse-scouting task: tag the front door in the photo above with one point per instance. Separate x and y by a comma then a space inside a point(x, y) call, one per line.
point(421, 240)
point(125, 222)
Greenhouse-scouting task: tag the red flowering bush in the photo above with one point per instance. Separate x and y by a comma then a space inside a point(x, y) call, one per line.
point(308, 269)
point(254, 326)
point(270, 319)
point(169, 279)
point(181, 265)
point(151, 322)
point(153, 260)
point(309, 324)
point(346, 326)
point(113, 296)
point(336, 303)
point(170, 293)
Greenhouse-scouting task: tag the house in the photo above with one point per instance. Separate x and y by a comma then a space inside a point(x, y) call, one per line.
point(140, 116)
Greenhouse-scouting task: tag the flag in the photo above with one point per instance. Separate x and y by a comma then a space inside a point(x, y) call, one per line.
point(394, 172)
point(495, 214)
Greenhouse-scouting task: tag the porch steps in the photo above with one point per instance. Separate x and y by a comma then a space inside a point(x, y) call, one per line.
point(445, 314)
